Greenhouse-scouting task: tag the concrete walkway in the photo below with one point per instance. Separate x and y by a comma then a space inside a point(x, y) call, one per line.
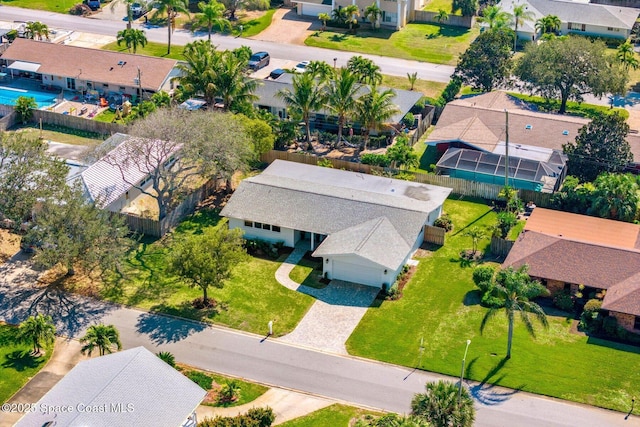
point(288, 27)
point(338, 309)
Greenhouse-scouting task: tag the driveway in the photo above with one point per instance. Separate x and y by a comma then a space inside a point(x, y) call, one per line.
point(338, 309)
point(288, 27)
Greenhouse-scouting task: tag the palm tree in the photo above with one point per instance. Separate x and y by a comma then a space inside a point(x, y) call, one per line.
point(365, 70)
point(212, 15)
point(476, 234)
point(167, 357)
point(103, 337)
point(373, 13)
point(171, 8)
point(442, 16)
point(520, 15)
point(132, 38)
point(548, 24)
point(324, 17)
point(38, 329)
point(340, 97)
point(515, 289)
point(230, 82)
point(374, 109)
point(320, 70)
point(626, 56)
point(306, 97)
point(440, 406)
point(495, 17)
point(128, 3)
point(350, 14)
point(37, 29)
point(197, 75)
point(413, 78)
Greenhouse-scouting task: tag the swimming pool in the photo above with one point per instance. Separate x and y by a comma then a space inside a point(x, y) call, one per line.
point(8, 96)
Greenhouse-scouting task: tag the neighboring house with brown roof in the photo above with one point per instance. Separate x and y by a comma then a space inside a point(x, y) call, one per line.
point(84, 69)
point(564, 250)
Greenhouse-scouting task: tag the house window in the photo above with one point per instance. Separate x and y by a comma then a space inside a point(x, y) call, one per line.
point(577, 27)
point(257, 224)
point(636, 323)
point(266, 227)
point(248, 224)
point(105, 84)
point(122, 88)
point(275, 228)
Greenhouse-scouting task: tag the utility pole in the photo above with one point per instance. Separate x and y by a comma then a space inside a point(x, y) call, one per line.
point(140, 84)
point(506, 150)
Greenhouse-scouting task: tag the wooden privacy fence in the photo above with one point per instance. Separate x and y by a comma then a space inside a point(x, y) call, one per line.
point(454, 20)
point(74, 122)
point(434, 235)
point(501, 247)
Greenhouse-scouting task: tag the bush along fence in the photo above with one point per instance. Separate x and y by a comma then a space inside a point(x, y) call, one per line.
point(460, 187)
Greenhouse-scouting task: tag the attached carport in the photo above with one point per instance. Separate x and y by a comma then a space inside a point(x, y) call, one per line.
point(314, 7)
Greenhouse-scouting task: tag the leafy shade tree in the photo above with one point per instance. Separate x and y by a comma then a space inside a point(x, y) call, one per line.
point(439, 405)
point(495, 17)
point(259, 133)
point(340, 97)
point(132, 38)
point(365, 70)
point(514, 290)
point(373, 14)
point(442, 16)
point(567, 68)
point(402, 154)
point(374, 109)
point(105, 338)
point(466, 7)
point(39, 330)
point(520, 15)
point(616, 197)
point(305, 97)
point(24, 108)
point(29, 175)
point(487, 63)
point(627, 56)
point(206, 260)
point(212, 15)
point(37, 30)
point(72, 232)
point(573, 196)
point(600, 146)
point(171, 8)
point(324, 18)
point(548, 24)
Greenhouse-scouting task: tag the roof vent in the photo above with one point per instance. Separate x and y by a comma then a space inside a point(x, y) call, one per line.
point(528, 127)
point(121, 63)
point(565, 132)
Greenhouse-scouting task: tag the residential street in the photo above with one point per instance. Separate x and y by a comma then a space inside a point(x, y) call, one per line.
point(391, 66)
point(354, 380)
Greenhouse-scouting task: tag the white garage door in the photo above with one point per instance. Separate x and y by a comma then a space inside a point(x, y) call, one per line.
point(356, 273)
point(315, 9)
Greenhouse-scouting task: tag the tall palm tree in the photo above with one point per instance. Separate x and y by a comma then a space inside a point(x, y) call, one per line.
point(324, 17)
point(365, 70)
point(495, 17)
point(626, 56)
point(350, 14)
point(515, 289)
point(548, 24)
point(37, 30)
point(171, 8)
point(306, 97)
point(374, 109)
point(231, 83)
point(373, 13)
point(320, 70)
point(520, 15)
point(442, 16)
point(341, 97)
point(105, 338)
point(132, 38)
point(198, 71)
point(38, 329)
point(440, 406)
point(413, 78)
point(212, 15)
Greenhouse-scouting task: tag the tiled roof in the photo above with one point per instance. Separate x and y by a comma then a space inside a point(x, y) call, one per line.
point(158, 394)
point(94, 65)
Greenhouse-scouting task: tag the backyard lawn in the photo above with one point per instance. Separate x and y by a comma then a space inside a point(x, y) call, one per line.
point(440, 44)
point(61, 134)
point(441, 305)
point(248, 301)
point(331, 416)
point(428, 88)
point(17, 365)
point(436, 5)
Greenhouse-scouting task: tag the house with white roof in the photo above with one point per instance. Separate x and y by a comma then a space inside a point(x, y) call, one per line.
point(364, 227)
point(129, 388)
point(578, 17)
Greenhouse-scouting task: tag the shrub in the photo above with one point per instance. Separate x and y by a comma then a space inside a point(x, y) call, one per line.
point(490, 301)
point(593, 305)
point(563, 301)
point(591, 322)
point(444, 221)
point(325, 163)
point(393, 293)
point(24, 108)
point(340, 24)
point(610, 325)
point(200, 378)
point(11, 35)
point(264, 416)
point(408, 120)
point(230, 391)
point(255, 417)
point(482, 276)
point(80, 10)
point(375, 160)
point(260, 247)
point(506, 221)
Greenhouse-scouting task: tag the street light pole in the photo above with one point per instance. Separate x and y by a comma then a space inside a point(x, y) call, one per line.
point(335, 61)
point(464, 359)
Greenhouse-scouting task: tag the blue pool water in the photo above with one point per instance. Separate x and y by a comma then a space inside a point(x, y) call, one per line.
point(9, 95)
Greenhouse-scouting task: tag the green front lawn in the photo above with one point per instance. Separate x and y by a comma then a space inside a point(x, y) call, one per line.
point(440, 44)
point(254, 26)
point(248, 301)
point(60, 6)
point(331, 416)
point(150, 49)
point(17, 366)
point(308, 273)
point(574, 108)
point(441, 306)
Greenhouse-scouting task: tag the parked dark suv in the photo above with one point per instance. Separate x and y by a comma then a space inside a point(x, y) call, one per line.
point(259, 60)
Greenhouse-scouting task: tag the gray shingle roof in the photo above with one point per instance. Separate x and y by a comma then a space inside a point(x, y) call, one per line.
point(158, 394)
point(364, 240)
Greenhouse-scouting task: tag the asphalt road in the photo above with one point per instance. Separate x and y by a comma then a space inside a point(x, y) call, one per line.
point(349, 379)
point(391, 66)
